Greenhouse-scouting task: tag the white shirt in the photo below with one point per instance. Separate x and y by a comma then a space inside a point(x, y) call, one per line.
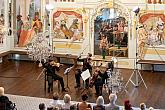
point(55, 103)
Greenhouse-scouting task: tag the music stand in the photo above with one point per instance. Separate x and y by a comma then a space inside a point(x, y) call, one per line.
point(136, 71)
point(66, 72)
point(85, 75)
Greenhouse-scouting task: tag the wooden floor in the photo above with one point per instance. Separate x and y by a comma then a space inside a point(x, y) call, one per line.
point(19, 78)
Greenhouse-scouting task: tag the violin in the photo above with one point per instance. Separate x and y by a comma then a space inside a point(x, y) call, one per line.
point(53, 63)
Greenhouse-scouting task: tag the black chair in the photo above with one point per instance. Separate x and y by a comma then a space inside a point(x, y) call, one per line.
point(2, 106)
point(50, 81)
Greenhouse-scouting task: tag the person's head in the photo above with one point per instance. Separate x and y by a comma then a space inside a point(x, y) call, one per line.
point(1, 91)
point(142, 106)
point(36, 15)
point(112, 98)
point(127, 105)
point(89, 55)
point(84, 97)
point(42, 106)
point(2, 15)
point(151, 108)
point(67, 98)
point(19, 17)
point(100, 100)
point(55, 96)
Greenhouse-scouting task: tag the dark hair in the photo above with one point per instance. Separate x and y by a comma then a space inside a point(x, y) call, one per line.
point(127, 105)
point(84, 97)
point(41, 106)
point(55, 96)
point(90, 55)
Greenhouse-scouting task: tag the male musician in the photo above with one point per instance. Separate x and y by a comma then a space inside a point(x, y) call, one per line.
point(50, 69)
point(86, 65)
point(98, 81)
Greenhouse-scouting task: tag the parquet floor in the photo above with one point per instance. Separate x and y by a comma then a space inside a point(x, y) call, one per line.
point(19, 78)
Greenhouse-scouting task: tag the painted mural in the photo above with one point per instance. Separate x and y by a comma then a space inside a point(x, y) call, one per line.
point(151, 32)
point(28, 21)
point(2, 22)
point(110, 34)
point(67, 25)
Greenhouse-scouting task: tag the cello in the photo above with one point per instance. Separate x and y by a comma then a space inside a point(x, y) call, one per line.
point(95, 76)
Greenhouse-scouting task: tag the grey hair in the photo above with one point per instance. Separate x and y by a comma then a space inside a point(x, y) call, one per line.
point(143, 106)
point(100, 100)
point(67, 98)
point(1, 91)
point(112, 97)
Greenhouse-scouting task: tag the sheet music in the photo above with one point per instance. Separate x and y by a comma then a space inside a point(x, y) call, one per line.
point(85, 75)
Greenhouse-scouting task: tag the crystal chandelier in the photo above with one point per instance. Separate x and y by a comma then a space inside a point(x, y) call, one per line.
point(114, 82)
point(39, 48)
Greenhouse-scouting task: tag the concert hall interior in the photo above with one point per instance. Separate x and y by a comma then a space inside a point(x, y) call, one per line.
point(82, 54)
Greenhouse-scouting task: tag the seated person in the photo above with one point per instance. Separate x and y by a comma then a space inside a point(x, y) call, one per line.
point(67, 103)
point(55, 102)
point(143, 106)
point(127, 105)
point(84, 105)
point(112, 103)
point(4, 99)
point(51, 66)
point(99, 104)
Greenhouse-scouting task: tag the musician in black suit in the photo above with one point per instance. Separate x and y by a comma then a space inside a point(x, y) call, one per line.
point(86, 65)
point(51, 68)
point(98, 81)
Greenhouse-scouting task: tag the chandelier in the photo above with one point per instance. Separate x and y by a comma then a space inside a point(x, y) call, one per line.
point(39, 48)
point(114, 82)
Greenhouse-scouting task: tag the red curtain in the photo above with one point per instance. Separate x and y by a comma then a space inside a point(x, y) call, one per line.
point(144, 17)
point(58, 13)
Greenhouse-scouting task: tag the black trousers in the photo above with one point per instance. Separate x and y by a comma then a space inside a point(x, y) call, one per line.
point(59, 78)
point(98, 86)
point(77, 77)
point(78, 82)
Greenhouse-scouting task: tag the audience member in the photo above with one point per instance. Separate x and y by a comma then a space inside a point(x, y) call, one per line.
point(151, 108)
point(99, 104)
point(67, 103)
point(112, 103)
point(142, 106)
point(84, 105)
point(127, 105)
point(55, 102)
point(4, 99)
point(42, 106)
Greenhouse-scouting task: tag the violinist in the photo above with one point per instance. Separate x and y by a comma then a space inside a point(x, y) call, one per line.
point(51, 67)
point(86, 65)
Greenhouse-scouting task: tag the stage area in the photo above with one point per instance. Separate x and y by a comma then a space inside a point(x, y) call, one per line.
point(19, 78)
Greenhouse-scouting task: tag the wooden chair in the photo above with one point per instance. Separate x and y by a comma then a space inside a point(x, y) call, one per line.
point(50, 81)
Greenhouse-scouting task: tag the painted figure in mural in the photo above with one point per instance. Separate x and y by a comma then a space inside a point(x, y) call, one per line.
point(65, 29)
point(2, 21)
point(57, 31)
point(1, 28)
point(141, 41)
point(160, 28)
point(25, 33)
point(103, 46)
point(37, 24)
point(153, 36)
point(19, 26)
